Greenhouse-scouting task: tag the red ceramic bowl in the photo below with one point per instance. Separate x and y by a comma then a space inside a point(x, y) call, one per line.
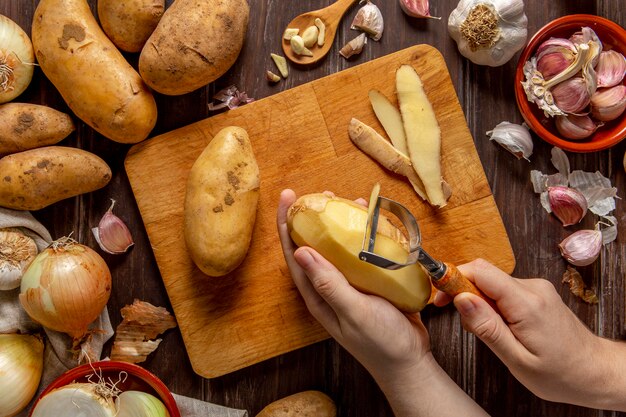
point(613, 37)
point(138, 379)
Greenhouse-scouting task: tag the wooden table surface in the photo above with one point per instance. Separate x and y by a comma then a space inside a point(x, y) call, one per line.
point(486, 95)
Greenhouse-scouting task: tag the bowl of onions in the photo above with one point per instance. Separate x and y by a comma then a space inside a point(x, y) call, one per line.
point(106, 389)
point(570, 85)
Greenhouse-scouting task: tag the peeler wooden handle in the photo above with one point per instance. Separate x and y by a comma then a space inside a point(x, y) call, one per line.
point(453, 282)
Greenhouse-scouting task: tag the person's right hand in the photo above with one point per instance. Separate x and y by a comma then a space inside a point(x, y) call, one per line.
point(544, 345)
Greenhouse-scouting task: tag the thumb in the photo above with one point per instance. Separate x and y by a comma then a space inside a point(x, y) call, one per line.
point(480, 319)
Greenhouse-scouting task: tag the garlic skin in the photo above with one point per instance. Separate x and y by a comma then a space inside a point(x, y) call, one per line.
point(488, 32)
point(575, 127)
point(514, 138)
point(582, 247)
point(369, 19)
point(354, 47)
point(21, 366)
point(567, 204)
point(17, 251)
point(610, 69)
point(608, 103)
point(112, 234)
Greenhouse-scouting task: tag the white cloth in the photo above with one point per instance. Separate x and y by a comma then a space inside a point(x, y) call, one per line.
point(58, 357)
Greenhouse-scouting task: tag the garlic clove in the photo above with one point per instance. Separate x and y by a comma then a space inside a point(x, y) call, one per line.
point(610, 69)
point(567, 204)
point(555, 45)
point(354, 47)
point(571, 96)
point(582, 247)
point(369, 19)
point(309, 36)
point(17, 251)
point(416, 8)
point(608, 103)
point(553, 63)
point(575, 127)
point(112, 234)
point(514, 138)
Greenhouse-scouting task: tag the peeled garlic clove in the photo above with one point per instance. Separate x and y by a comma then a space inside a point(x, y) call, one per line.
point(297, 46)
point(139, 404)
point(575, 127)
point(514, 138)
point(112, 234)
point(609, 103)
point(354, 47)
point(309, 36)
point(567, 204)
point(553, 63)
point(582, 247)
point(610, 69)
point(17, 251)
point(571, 95)
point(369, 19)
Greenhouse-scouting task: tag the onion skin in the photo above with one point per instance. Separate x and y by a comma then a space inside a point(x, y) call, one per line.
point(66, 287)
point(21, 366)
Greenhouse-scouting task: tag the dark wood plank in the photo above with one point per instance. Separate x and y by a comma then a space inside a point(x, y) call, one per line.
point(486, 95)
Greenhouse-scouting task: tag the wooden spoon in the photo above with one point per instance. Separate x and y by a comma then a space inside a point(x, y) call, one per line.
point(331, 16)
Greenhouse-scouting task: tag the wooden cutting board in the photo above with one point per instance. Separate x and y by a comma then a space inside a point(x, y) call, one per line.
point(301, 142)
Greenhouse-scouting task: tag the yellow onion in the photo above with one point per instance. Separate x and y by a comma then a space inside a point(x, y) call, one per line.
point(16, 60)
point(77, 400)
point(66, 287)
point(139, 404)
point(21, 365)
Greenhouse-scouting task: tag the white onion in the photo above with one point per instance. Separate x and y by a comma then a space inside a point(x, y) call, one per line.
point(66, 287)
point(139, 404)
point(16, 60)
point(77, 400)
point(21, 365)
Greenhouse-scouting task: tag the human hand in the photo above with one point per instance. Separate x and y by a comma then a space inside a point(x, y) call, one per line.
point(386, 341)
point(544, 345)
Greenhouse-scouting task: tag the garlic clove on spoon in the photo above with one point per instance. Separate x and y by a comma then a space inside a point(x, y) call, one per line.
point(112, 234)
point(17, 251)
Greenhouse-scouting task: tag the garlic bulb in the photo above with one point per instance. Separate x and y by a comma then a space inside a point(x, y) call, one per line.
point(488, 32)
point(21, 366)
point(17, 251)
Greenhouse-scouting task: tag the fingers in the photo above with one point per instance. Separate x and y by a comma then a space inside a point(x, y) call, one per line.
point(491, 280)
point(328, 282)
point(441, 299)
point(479, 318)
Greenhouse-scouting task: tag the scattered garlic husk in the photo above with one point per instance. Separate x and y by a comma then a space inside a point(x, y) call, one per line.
point(416, 8)
point(229, 97)
point(369, 19)
point(17, 251)
point(514, 138)
point(608, 103)
point(574, 280)
point(354, 47)
point(21, 366)
point(610, 69)
point(139, 404)
point(78, 400)
point(488, 32)
point(17, 60)
point(112, 234)
point(575, 127)
point(567, 204)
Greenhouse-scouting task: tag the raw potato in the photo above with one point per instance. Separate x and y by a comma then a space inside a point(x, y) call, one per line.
point(389, 116)
point(130, 23)
point(423, 135)
point(194, 44)
point(27, 126)
point(335, 227)
point(302, 404)
point(221, 201)
point(34, 179)
point(93, 77)
point(374, 145)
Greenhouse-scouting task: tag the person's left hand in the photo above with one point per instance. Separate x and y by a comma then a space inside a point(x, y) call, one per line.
point(386, 341)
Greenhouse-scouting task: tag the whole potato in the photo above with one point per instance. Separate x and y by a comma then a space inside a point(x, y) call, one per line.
point(130, 23)
point(27, 126)
point(93, 77)
point(302, 404)
point(194, 44)
point(221, 201)
point(34, 179)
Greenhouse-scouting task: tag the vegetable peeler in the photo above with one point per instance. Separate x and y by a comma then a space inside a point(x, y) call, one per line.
point(444, 276)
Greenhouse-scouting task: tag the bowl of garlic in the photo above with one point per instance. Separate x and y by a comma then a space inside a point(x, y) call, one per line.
point(106, 389)
point(570, 85)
